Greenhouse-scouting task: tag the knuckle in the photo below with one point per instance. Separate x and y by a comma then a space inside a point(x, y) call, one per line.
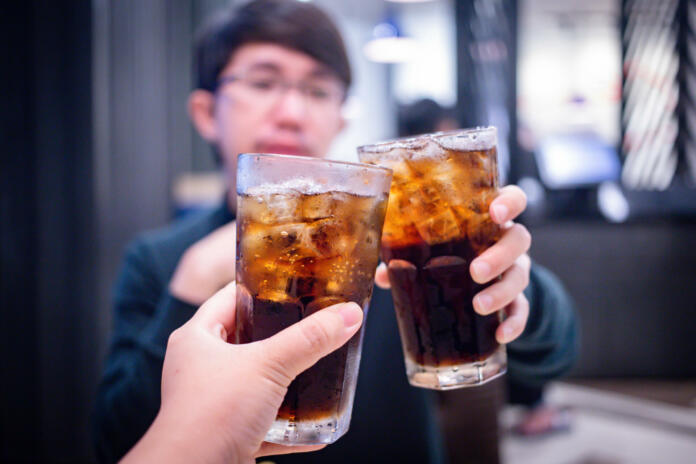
point(275, 371)
point(523, 272)
point(525, 262)
point(523, 303)
point(176, 338)
point(524, 235)
point(315, 335)
point(516, 193)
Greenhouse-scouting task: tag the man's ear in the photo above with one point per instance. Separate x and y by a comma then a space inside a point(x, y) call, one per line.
point(201, 110)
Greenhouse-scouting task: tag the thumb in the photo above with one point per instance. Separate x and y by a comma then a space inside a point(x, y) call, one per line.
point(301, 345)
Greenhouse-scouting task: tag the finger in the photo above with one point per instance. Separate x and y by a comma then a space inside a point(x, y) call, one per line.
point(513, 326)
point(269, 449)
point(217, 314)
point(228, 231)
point(509, 203)
point(382, 277)
point(300, 346)
point(494, 261)
point(502, 293)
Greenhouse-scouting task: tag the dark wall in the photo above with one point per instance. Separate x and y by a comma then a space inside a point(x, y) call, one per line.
point(635, 290)
point(48, 318)
point(18, 265)
point(94, 132)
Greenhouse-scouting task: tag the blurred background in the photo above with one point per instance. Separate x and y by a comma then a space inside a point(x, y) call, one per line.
point(595, 101)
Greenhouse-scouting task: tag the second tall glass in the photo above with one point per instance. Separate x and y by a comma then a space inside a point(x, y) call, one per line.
point(437, 223)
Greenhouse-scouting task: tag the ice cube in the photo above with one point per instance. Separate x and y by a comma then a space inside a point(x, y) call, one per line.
point(411, 201)
point(482, 232)
point(327, 237)
point(362, 208)
point(462, 214)
point(417, 169)
point(321, 303)
point(440, 228)
point(346, 206)
point(402, 172)
point(345, 245)
point(286, 242)
point(448, 270)
point(371, 238)
point(479, 201)
point(285, 236)
point(253, 241)
point(274, 208)
point(301, 286)
point(318, 206)
point(430, 197)
point(333, 286)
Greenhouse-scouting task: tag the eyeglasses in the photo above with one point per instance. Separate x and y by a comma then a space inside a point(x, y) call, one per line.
point(319, 94)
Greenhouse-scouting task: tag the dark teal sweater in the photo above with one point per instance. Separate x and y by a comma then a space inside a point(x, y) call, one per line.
point(392, 421)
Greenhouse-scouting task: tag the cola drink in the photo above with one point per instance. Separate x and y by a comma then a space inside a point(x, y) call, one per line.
point(437, 223)
point(305, 244)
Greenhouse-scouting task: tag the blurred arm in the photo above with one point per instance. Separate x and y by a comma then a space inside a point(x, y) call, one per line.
point(549, 345)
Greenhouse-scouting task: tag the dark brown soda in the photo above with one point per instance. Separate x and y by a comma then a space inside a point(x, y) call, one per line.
point(297, 254)
point(433, 294)
point(316, 393)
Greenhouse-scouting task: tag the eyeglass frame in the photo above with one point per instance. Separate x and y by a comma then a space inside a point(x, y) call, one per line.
point(284, 86)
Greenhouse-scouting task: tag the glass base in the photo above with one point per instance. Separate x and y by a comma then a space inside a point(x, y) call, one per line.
point(457, 376)
point(318, 432)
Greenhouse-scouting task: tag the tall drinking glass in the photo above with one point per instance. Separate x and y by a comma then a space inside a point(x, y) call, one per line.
point(308, 234)
point(437, 223)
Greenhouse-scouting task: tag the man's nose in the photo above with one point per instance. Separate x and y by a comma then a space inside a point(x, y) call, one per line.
point(291, 108)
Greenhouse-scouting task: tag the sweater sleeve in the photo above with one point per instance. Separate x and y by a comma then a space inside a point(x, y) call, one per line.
point(144, 314)
point(549, 345)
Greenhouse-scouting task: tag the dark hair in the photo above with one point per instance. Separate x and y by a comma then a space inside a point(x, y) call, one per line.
point(421, 117)
point(289, 23)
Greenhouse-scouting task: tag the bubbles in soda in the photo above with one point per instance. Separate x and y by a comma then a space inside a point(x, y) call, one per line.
point(437, 223)
point(301, 248)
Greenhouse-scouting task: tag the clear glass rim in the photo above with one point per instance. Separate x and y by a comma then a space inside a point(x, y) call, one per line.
point(409, 141)
point(312, 160)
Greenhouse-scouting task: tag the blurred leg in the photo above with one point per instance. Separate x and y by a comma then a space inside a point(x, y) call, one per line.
point(469, 420)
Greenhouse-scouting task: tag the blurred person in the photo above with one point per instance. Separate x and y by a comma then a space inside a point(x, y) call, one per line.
point(272, 76)
point(228, 424)
point(424, 116)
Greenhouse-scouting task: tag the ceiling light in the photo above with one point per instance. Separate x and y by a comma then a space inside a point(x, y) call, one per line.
point(388, 45)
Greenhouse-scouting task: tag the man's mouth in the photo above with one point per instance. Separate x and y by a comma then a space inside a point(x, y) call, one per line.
point(284, 149)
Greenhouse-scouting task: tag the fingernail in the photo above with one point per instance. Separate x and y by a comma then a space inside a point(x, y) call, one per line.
point(500, 212)
point(484, 302)
point(222, 333)
point(480, 269)
point(351, 314)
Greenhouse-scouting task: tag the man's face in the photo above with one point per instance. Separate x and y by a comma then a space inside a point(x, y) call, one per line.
point(272, 99)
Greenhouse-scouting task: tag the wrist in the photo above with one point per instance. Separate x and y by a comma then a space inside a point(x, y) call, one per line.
point(174, 439)
point(192, 282)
